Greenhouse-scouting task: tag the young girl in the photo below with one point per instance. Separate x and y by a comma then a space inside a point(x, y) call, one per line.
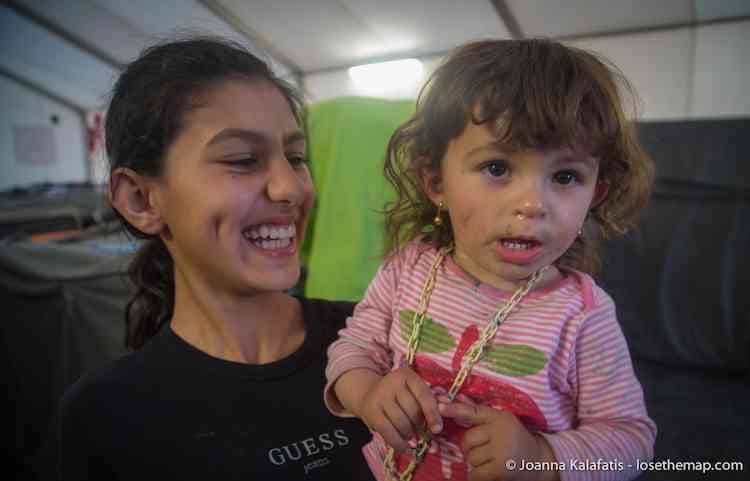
point(207, 156)
point(482, 342)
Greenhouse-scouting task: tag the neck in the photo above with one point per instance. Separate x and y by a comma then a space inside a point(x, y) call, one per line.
point(255, 328)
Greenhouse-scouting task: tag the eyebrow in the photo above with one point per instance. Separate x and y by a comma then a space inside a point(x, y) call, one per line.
point(254, 136)
point(566, 158)
point(576, 159)
point(489, 147)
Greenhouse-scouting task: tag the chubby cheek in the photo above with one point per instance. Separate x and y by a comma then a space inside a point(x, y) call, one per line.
point(569, 230)
point(468, 229)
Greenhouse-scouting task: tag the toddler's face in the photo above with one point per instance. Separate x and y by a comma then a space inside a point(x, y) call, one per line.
point(512, 212)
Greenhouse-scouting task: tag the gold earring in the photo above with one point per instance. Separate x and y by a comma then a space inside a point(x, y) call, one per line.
point(438, 220)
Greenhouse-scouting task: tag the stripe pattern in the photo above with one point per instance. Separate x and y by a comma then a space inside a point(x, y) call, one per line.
point(587, 392)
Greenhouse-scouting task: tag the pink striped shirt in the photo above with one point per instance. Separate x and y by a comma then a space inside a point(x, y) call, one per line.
point(559, 362)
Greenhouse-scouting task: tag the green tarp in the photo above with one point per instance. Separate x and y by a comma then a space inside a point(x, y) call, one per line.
point(348, 137)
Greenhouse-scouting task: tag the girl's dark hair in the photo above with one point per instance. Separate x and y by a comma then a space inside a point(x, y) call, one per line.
point(149, 101)
point(535, 94)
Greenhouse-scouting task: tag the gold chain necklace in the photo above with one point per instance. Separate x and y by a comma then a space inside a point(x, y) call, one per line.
point(470, 358)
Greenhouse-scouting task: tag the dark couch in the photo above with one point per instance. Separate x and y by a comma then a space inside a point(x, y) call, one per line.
point(682, 287)
point(61, 305)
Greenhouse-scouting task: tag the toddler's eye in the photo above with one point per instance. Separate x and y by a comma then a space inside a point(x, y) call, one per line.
point(495, 168)
point(566, 177)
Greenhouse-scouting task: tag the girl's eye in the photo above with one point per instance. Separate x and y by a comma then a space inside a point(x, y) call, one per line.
point(495, 168)
point(296, 160)
point(566, 177)
point(242, 163)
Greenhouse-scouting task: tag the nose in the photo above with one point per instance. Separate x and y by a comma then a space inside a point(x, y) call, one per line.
point(285, 183)
point(531, 203)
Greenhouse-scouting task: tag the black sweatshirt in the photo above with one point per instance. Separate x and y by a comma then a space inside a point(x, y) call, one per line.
point(171, 411)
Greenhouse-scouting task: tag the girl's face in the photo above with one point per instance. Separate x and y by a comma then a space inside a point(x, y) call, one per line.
point(511, 213)
point(235, 192)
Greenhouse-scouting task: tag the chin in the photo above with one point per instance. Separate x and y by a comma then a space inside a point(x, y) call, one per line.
point(278, 281)
point(519, 273)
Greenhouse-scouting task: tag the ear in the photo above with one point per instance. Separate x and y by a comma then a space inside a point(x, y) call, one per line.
point(600, 193)
point(432, 183)
point(133, 196)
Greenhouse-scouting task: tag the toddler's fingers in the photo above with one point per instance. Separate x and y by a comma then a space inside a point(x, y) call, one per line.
point(427, 402)
point(411, 407)
point(479, 455)
point(390, 435)
point(399, 420)
point(463, 398)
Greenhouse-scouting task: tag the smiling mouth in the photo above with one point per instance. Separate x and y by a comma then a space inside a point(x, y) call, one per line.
point(271, 236)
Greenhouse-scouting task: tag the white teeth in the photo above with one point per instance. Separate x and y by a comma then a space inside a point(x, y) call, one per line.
point(273, 243)
point(271, 236)
point(271, 231)
point(517, 245)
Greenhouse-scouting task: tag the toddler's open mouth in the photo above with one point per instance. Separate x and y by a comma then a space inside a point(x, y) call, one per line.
point(519, 243)
point(519, 250)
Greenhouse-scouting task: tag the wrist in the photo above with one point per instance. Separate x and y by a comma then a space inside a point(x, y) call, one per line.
point(352, 389)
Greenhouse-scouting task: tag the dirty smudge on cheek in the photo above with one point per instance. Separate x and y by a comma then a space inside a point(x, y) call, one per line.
point(215, 227)
point(465, 221)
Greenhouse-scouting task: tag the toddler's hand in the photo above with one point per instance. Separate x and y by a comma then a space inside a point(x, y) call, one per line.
point(398, 406)
point(493, 438)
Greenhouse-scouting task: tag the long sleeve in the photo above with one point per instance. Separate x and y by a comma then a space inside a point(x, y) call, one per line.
point(363, 343)
point(613, 429)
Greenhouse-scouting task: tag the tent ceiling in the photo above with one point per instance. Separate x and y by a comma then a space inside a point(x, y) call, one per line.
point(75, 48)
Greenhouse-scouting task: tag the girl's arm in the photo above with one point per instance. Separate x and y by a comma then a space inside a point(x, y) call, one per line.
point(613, 425)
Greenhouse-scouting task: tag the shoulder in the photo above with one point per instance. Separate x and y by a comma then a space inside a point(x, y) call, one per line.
point(577, 305)
point(410, 256)
point(121, 381)
point(330, 314)
point(332, 311)
point(592, 297)
point(597, 308)
point(107, 386)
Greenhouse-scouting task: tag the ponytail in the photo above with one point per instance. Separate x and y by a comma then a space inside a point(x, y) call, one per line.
point(152, 305)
